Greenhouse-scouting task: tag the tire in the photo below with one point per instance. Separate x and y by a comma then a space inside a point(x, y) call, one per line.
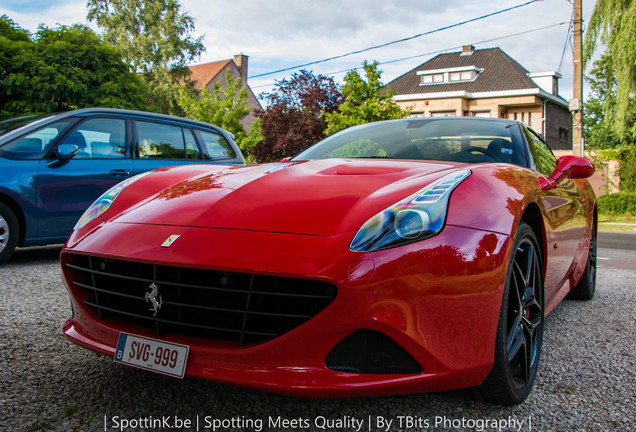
point(520, 327)
point(9, 232)
point(586, 287)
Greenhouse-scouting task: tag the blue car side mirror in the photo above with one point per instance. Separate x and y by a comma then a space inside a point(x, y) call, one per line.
point(66, 151)
point(63, 153)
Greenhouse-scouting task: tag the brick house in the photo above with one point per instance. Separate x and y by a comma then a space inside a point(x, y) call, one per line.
point(487, 83)
point(206, 75)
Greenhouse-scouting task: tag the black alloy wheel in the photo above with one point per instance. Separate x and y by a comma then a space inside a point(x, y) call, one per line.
point(520, 329)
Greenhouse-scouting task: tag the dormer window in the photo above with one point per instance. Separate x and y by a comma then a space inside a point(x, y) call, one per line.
point(433, 79)
point(450, 75)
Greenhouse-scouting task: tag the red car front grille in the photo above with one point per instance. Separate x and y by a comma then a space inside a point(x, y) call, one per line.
point(204, 303)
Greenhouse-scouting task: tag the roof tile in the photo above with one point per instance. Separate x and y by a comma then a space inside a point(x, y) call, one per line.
point(499, 72)
point(204, 73)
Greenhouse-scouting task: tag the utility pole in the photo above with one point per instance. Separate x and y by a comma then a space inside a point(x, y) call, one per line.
point(576, 104)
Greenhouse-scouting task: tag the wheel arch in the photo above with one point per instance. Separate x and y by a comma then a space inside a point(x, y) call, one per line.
point(533, 217)
point(19, 214)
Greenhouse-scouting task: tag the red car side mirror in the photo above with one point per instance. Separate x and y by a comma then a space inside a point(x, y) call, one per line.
point(567, 167)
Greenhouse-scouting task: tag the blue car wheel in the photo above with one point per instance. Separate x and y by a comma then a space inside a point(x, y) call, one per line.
point(9, 232)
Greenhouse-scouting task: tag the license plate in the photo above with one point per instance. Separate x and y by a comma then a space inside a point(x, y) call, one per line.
point(157, 356)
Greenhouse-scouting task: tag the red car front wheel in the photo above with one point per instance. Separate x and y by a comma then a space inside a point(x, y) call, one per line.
point(520, 329)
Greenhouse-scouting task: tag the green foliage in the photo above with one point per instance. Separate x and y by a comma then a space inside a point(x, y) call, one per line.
point(601, 128)
point(626, 156)
point(62, 69)
point(613, 25)
point(163, 92)
point(627, 169)
point(358, 149)
point(40, 423)
point(618, 203)
point(151, 34)
point(610, 154)
point(10, 30)
point(600, 107)
point(365, 101)
point(295, 115)
point(154, 38)
point(70, 409)
point(225, 107)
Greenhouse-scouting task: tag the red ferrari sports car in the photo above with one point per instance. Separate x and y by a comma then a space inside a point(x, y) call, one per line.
point(405, 256)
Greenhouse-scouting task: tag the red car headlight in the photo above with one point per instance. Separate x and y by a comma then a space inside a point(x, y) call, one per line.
point(106, 200)
point(415, 218)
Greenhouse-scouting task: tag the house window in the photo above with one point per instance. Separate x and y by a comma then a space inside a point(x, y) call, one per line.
point(455, 75)
point(564, 137)
point(433, 78)
point(443, 114)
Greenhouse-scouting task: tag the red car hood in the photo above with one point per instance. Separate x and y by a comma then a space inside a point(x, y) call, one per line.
point(319, 197)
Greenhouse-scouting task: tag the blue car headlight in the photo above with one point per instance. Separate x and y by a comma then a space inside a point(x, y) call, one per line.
point(106, 200)
point(415, 218)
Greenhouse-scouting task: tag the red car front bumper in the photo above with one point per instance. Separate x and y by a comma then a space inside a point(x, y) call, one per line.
point(438, 299)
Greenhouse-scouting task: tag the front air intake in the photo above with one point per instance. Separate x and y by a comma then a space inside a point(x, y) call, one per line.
point(369, 351)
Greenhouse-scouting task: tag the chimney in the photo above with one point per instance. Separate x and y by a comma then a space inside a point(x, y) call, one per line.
point(240, 60)
point(547, 81)
point(467, 50)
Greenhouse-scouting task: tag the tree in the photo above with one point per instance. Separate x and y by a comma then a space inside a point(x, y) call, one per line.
point(613, 24)
point(226, 107)
point(601, 135)
point(365, 101)
point(295, 116)
point(155, 40)
point(600, 107)
point(13, 40)
point(62, 69)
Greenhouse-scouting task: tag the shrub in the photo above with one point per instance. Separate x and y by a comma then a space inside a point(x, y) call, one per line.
point(627, 170)
point(618, 203)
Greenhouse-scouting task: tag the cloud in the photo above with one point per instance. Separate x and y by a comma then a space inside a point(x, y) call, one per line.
point(276, 34)
point(29, 14)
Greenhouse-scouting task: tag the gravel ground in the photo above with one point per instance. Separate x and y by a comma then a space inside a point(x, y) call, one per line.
point(586, 380)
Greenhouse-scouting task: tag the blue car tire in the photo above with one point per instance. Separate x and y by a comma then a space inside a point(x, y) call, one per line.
point(9, 232)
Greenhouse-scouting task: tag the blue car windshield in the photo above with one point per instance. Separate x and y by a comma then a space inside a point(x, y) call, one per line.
point(15, 123)
point(468, 140)
point(36, 144)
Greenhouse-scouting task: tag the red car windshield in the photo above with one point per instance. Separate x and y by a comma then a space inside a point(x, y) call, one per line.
point(448, 139)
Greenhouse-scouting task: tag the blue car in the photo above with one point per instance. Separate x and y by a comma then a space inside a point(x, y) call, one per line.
point(53, 167)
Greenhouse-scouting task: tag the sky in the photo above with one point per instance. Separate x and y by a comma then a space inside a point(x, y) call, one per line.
point(278, 34)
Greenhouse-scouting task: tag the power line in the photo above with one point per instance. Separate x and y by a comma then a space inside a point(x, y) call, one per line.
point(395, 41)
point(568, 42)
point(442, 50)
point(473, 43)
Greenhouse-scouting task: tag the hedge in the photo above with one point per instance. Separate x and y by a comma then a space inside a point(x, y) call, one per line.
point(617, 203)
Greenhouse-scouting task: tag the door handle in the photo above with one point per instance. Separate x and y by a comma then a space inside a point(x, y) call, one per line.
point(120, 172)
